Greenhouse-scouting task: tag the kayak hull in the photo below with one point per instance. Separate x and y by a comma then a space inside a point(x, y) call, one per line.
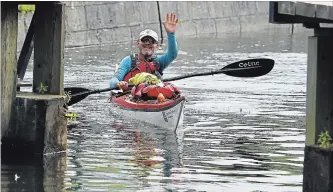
point(168, 114)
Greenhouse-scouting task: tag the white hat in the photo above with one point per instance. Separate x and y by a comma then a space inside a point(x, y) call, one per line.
point(150, 33)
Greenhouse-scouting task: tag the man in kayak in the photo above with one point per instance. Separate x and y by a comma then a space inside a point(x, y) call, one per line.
point(146, 61)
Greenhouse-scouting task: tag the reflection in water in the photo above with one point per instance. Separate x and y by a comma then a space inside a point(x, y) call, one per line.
point(124, 157)
point(44, 175)
point(238, 134)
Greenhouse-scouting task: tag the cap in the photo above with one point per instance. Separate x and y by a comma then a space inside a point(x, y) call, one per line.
point(150, 33)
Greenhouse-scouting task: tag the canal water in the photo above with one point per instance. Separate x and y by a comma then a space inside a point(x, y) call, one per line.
point(239, 134)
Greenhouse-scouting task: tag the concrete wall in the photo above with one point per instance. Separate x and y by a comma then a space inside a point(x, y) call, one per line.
point(94, 23)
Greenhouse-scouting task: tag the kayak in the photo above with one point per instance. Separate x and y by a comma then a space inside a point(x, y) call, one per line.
point(168, 114)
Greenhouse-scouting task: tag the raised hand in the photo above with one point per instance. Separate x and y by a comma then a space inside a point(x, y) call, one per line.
point(170, 23)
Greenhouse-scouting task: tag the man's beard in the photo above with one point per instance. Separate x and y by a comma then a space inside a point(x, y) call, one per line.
point(147, 53)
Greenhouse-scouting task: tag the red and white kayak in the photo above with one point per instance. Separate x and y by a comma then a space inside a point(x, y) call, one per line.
point(167, 114)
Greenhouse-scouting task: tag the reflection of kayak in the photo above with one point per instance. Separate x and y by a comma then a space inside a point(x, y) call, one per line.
point(157, 149)
point(167, 114)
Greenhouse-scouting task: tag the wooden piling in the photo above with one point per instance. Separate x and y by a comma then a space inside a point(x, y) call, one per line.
point(39, 126)
point(9, 18)
point(319, 100)
point(318, 162)
point(49, 47)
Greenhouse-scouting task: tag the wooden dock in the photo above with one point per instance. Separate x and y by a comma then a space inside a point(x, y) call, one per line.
point(318, 161)
point(33, 123)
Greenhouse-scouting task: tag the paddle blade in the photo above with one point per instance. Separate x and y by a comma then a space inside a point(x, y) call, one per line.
point(76, 98)
point(249, 68)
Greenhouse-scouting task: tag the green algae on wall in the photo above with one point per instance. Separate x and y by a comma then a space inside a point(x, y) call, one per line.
point(26, 8)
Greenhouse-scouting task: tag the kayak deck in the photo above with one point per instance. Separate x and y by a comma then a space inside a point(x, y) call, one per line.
point(149, 105)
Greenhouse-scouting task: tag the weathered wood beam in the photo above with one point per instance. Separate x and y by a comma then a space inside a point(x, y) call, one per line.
point(299, 12)
point(26, 50)
point(49, 47)
point(318, 162)
point(9, 18)
point(319, 109)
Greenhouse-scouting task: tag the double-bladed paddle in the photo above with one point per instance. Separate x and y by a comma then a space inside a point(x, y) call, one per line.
point(245, 68)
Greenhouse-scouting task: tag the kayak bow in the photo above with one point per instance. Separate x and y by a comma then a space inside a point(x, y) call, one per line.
point(167, 114)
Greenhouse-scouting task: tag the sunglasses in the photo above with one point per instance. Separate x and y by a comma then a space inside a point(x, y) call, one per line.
point(148, 39)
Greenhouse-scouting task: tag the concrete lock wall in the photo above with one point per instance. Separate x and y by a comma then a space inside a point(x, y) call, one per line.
point(95, 23)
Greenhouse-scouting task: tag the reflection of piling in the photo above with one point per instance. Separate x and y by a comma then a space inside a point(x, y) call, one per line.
point(34, 122)
point(318, 162)
point(31, 175)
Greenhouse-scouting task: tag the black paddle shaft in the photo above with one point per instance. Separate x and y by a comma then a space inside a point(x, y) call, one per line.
point(98, 91)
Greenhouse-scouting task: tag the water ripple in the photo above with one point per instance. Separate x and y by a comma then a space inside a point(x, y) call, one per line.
point(238, 134)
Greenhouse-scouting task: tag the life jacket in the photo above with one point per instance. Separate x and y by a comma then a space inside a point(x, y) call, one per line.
point(144, 90)
point(152, 66)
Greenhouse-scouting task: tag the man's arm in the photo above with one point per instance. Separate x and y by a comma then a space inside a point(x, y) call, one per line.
point(123, 69)
point(171, 54)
